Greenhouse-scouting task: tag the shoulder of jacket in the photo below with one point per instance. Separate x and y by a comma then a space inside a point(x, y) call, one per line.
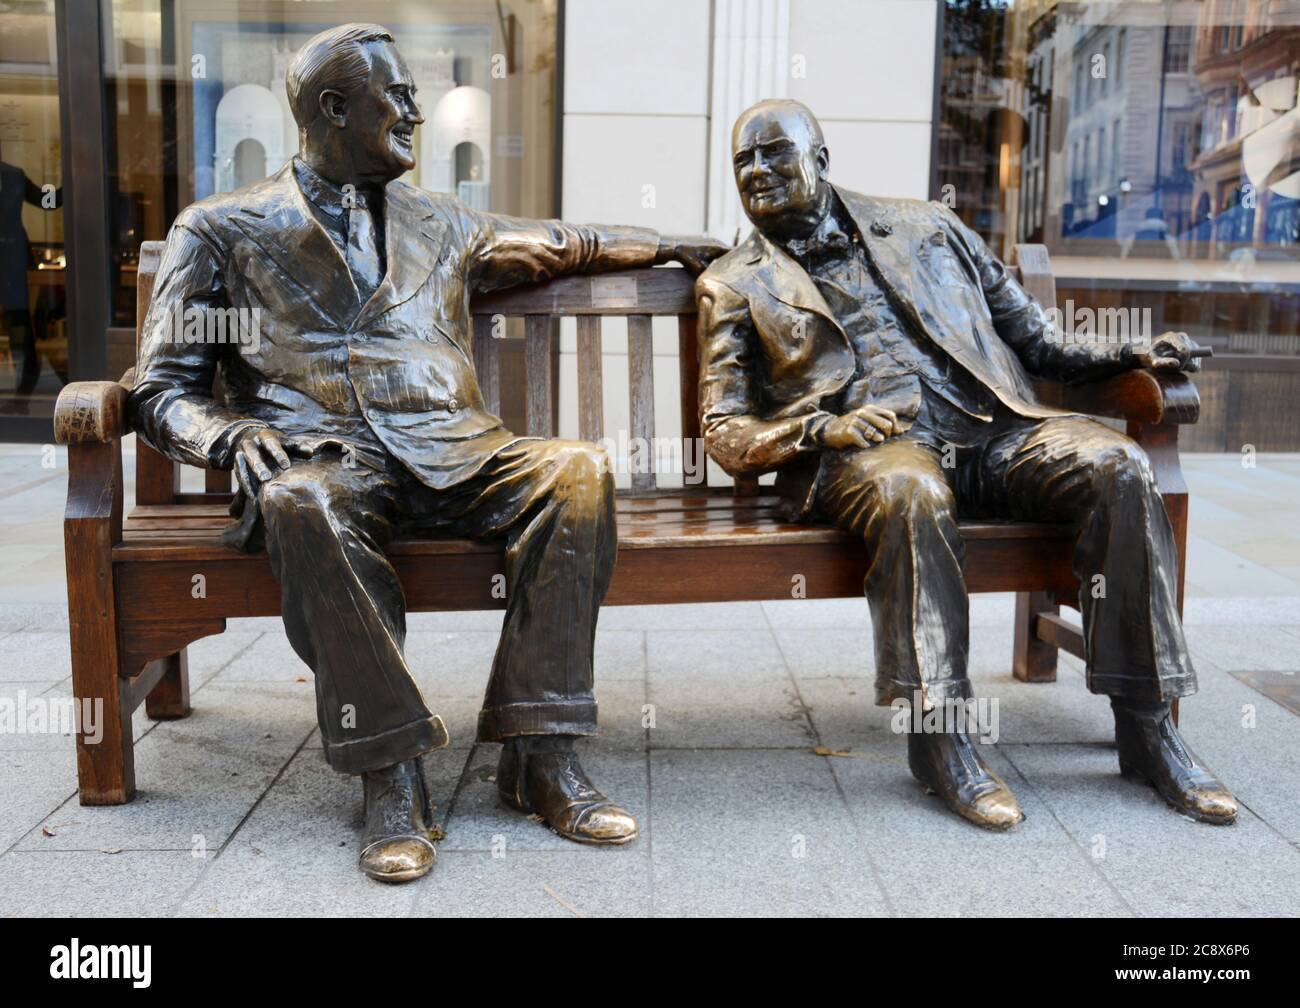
point(731, 269)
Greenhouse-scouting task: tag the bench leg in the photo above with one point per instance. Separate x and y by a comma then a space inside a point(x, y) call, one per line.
point(170, 699)
point(106, 754)
point(92, 523)
point(1034, 660)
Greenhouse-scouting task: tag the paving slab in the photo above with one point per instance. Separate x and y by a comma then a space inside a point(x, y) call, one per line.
point(721, 850)
point(741, 656)
point(711, 713)
point(582, 882)
point(94, 884)
point(195, 778)
point(1161, 863)
point(297, 852)
point(935, 864)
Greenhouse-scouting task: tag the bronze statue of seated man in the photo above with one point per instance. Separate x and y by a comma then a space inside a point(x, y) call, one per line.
point(877, 356)
point(356, 413)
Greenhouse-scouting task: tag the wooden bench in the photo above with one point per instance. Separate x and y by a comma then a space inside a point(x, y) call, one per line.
point(133, 606)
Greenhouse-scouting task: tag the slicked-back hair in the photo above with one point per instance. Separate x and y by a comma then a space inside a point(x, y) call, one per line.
point(334, 60)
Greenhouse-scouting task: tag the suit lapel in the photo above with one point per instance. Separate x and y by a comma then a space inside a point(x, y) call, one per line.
point(787, 281)
point(892, 242)
point(413, 240)
point(887, 242)
point(283, 226)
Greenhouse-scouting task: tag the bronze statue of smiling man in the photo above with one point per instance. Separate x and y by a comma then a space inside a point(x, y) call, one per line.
point(356, 414)
point(877, 356)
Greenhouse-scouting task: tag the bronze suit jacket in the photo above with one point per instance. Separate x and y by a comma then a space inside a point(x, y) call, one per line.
point(771, 351)
point(392, 375)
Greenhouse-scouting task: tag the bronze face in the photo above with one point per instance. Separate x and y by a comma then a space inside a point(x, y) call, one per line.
point(780, 161)
point(376, 121)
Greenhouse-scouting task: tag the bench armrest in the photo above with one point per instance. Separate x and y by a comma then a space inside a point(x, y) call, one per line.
point(1138, 396)
point(90, 411)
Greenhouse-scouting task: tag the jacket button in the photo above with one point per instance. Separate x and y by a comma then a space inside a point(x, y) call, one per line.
point(452, 405)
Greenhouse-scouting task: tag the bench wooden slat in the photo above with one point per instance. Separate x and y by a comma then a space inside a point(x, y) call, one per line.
point(537, 366)
point(664, 499)
point(688, 351)
point(666, 290)
point(487, 362)
point(591, 392)
point(641, 390)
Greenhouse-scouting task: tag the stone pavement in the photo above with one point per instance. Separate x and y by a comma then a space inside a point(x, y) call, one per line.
point(238, 814)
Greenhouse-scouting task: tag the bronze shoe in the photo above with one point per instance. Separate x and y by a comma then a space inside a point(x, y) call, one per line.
point(949, 765)
point(548, 781)
point(1151, 749)
point(396, 845)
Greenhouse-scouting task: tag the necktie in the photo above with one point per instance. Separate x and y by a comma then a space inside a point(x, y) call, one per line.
point(363, 252)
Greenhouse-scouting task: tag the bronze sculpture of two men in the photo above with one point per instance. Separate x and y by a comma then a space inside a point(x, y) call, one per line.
point(844, 344)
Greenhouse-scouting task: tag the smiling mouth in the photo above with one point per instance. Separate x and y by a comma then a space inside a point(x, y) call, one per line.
point(402, 137)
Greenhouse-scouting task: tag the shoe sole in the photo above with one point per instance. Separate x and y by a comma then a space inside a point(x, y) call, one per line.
point(398, 877)
point(1137, 775)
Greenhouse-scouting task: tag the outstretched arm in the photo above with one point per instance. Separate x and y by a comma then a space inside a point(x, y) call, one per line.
point(1024, 325)
point(504, 250)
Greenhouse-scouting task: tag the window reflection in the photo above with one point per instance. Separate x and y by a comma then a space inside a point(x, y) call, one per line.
point(34, 338)
point(1154, 147)
point(202, 109)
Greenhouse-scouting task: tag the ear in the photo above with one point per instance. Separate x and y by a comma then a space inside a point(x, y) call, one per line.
point(823, 161)
point(334, 107)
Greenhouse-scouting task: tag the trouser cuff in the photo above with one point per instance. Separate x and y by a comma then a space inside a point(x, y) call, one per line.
point(496, 724)
point(374, 752)
point(935, 692)
point(1142, 689)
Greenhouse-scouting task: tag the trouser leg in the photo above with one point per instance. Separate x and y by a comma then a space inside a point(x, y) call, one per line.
point(896, 496)
point(344, 612)
point(1071, 469)
point(554, 502)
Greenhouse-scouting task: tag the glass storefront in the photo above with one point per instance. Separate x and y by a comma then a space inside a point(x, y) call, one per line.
point(1154, 147)
point(34, 339)
point(198, 106)
point(193, 103)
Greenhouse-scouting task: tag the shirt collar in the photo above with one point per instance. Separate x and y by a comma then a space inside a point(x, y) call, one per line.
point(832, 240)
point(324, 194)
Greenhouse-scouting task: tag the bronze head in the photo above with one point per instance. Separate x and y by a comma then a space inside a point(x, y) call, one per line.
point(781, 161)
point(354, 100)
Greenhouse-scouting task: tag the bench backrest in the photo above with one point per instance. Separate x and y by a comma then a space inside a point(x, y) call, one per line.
point(638, 295)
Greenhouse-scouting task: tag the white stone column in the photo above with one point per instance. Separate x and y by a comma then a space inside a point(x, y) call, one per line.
point(751, 62)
